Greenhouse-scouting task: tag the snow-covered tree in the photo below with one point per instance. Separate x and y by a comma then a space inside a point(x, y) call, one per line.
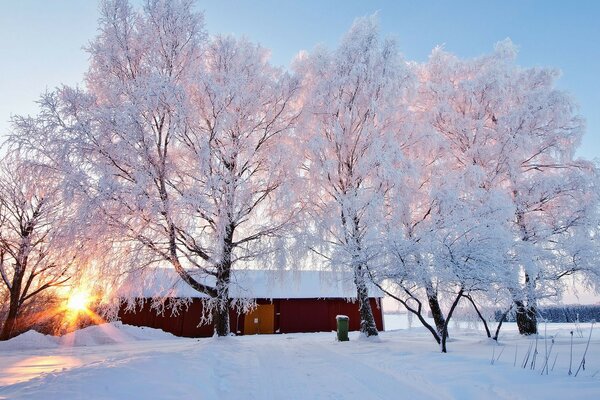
point(37, 250)
point(492, 202)
point(354, 103)
point(449, 178)
point(512, 131)
point(446, 233)
point(238, 172)
point(470, 241)
point(179, 142)
point(465, 222)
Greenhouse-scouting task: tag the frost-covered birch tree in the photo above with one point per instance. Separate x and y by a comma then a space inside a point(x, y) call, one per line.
point(482, 128)
point(446, 237)
point(554, 194)
point(37, 246)
point(468, 239)
point(354, 100)
point(177, 139)
point(191, 152)
point(517, 134)
point(239, 169)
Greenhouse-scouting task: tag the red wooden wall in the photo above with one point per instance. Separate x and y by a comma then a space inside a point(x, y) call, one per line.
point(318, 315)
point(291, 315)
point(184, 324)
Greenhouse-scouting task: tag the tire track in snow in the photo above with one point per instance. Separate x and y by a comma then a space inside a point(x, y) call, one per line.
point(315, 370)
point(383, 383)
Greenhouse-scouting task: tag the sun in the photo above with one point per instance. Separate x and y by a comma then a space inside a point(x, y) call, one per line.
point(78, 301)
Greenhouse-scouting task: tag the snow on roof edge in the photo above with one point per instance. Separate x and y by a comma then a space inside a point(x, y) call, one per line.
point(259, 284)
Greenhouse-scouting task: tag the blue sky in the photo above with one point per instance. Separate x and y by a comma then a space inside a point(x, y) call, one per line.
point(41, 41)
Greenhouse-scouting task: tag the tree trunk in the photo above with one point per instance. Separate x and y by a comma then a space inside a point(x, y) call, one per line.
point(10, 327)
point(436, 310)
point(410, 309)
point(221, 312)
point(481, 317)
point(445, 328)
point(10, 324)
point(367, 321)
point(221, 320)
point(502, 319)
point(526, 317)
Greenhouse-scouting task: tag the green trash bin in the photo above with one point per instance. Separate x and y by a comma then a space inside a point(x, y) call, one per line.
point(343, 323)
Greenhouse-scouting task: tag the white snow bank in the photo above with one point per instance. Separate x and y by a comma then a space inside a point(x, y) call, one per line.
point(402, 364)
point(96, 335)
point(144, 333)
point(109, 333)
point(29, 340)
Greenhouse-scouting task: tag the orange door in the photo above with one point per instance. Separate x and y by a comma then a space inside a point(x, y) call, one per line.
point(261, 320)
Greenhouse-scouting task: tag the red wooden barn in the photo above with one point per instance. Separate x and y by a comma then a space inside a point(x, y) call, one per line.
point(288, 302)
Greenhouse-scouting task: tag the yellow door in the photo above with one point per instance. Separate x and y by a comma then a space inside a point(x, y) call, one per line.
point(261, 320)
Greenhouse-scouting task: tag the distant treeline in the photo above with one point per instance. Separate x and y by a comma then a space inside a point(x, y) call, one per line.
point(574, 313)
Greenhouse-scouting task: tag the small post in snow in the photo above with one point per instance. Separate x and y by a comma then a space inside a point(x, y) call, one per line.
point(343, 323)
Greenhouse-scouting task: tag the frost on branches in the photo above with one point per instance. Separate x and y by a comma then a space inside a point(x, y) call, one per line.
point(40, 248)
point(354, 97)
point(441, 181)
point(492, 206)
point(518, 133)
point(179, 140)
point(510, 200)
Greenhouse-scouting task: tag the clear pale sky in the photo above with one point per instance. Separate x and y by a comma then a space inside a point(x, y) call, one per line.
point(41, 40)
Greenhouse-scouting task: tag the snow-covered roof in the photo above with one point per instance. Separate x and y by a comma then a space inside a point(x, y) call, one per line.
point(260, 284)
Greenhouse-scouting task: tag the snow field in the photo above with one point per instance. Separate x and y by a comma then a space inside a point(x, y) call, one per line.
point(403, 364)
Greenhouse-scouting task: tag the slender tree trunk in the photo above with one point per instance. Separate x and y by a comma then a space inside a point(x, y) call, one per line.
point(367, 321)
point(526, 315)
point(410, 309)
point(445, 329)
point(481, 317)
point(502, 319)
point(221, 310)
point(436, 310)
point(352, 234)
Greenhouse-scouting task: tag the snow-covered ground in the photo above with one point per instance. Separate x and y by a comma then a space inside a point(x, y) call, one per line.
point(113, 361)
